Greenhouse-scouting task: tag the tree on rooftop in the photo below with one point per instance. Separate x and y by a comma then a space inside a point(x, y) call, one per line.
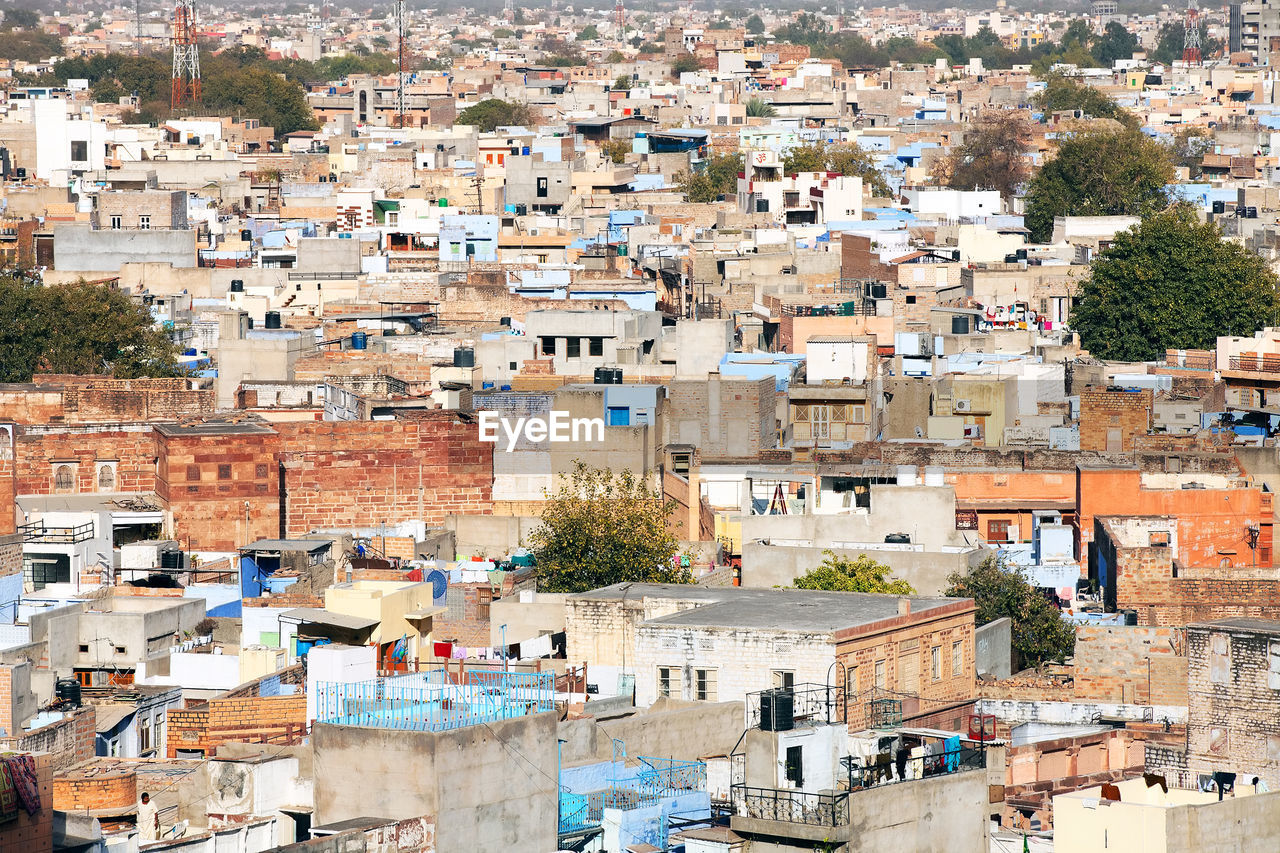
point(861, 574)
point(686, 64)
point(600, 528)
point(760, 108)
point(754, 25)
point(1039, 631)
point(1062, 93)
point(622, 83)
point(1172, 283)
point(589, 33)
point(852, 160)
point(993, 155)
point(77, 328)
point(1116, 42)
point(494, 113)
point(1099, 173)
point(719, 177)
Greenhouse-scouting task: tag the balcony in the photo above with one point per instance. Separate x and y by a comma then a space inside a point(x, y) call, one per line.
point(1255, 363)
point(785, 708)
point(37, 533)
point(790, 806)
point(954, 760)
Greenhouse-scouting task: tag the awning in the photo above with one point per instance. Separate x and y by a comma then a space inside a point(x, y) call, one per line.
point(110, 716)
point(319, 616)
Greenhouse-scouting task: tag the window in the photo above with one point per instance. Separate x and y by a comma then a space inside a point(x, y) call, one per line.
point(1219, 659)
point(957, 659)
point(880, 678)
point(704, 685)
point(795, 765)
point(666, 680)
point(542, 187)
point(784, 678)
point(144, 222)
point(79, 150)
point(42, 571)
point(120, 650)
point(680, 462)
point(935, 663)
point(595, 346)
point(619, 416)
point(512, 366)
point(116, 223)
point(483, 600)
point(144, 738)
point(193, 472)
point(259, 471)
point(820, 417)
point(84, 648)
point(547, 345)
point(106, 478)
point(224, 472)
point(64, 478)
point(998, 530)
point(851, 685)
point(911, 299)
point(573, 347)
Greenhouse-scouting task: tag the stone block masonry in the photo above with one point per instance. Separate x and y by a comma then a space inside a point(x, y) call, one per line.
point(240, 719)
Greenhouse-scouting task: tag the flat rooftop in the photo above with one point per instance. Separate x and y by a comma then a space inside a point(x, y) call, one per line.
point(777, 609)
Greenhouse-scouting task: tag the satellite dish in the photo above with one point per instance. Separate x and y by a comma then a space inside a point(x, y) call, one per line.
point(439, 586)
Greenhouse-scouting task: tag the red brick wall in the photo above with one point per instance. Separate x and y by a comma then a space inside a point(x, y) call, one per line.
point(360, 473)
point(1126, 663)
point(131, 446)
point(209, 510)
point(68, 742)
point(108, 788)
point(7, 493)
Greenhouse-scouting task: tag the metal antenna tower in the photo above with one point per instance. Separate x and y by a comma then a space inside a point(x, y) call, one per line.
point(620, 18)
point(1191, 36)
point(186, 57)
point(402, 31)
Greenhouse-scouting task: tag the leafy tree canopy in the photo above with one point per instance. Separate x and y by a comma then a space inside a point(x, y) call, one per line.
point(1172, 283)
point(760, 108)
point(21, 19)
point(863, 574)
point(1099, 173)
point(754, 25)
point(1039, 631)
point(77, 328)
point(718, 178)
point(684, 65)
point(1172, 36)
point(622, 83)
point(852, 160)
point(494, 113)
point(1062, 93)
point(589, 33)
point(993, 154)
point(601, 528)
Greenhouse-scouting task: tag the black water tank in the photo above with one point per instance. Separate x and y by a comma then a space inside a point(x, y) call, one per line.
point(68, 690)
point(237, 285)
point(879, 291)
point(777, 710)
point(246, 235)
point(603, 376)
point(1131, 617)
point(170, 559)
point(464, 357)
point(272, 320)
point(1219, 207)
point(959, 324)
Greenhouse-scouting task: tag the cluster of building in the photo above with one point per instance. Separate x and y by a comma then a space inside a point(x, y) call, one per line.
point(289, 596)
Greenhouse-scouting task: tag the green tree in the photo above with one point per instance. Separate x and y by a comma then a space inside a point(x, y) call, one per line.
point(1039, 631)
point(684, 65)
point(614, 57)
point(1189, 146)
point(589, 33)
point(863, 574)
point(1172, 283)
point(494, 113)
point(601, 528)
point(852, 160)
point(760, 108)
point(1099, 173)
point(77, 328)
point(1170, 41)
point(993, 154)
point(1062, 93)
point(623, 83)
point(718, 178)
point(754, 25)
point(1116, 42)
point(21, 19)
point(616, 150)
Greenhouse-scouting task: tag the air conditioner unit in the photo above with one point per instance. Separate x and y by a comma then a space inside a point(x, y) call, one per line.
point(961, 406)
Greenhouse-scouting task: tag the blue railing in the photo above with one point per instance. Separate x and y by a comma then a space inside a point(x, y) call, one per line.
point(662, 779)
point(431, 701)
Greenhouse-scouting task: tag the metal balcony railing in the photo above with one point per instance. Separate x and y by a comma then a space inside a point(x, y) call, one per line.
point(783, 708)
point(788, 806)
point(37, 532)
point(887, 771)
point(1256, 363)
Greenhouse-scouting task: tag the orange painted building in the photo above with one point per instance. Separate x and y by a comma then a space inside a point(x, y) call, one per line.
point(999, 504)
point(1215, 514)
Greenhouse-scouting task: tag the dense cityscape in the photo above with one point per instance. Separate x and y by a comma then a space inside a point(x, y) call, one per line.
point(654, 427)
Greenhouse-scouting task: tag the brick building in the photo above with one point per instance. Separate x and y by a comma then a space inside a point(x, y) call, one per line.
point(1110, 419)
point(1233, 711)
point(1134, 664)
point(144, 210)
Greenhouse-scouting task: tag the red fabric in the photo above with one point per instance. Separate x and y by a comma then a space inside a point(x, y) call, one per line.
point(442, 650)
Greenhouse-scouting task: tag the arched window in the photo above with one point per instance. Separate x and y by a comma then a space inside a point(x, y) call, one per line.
point(64, 478)
point(106, 478)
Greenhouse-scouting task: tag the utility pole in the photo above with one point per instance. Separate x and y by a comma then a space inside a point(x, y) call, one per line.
point(137, 27)
point(478, 183)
